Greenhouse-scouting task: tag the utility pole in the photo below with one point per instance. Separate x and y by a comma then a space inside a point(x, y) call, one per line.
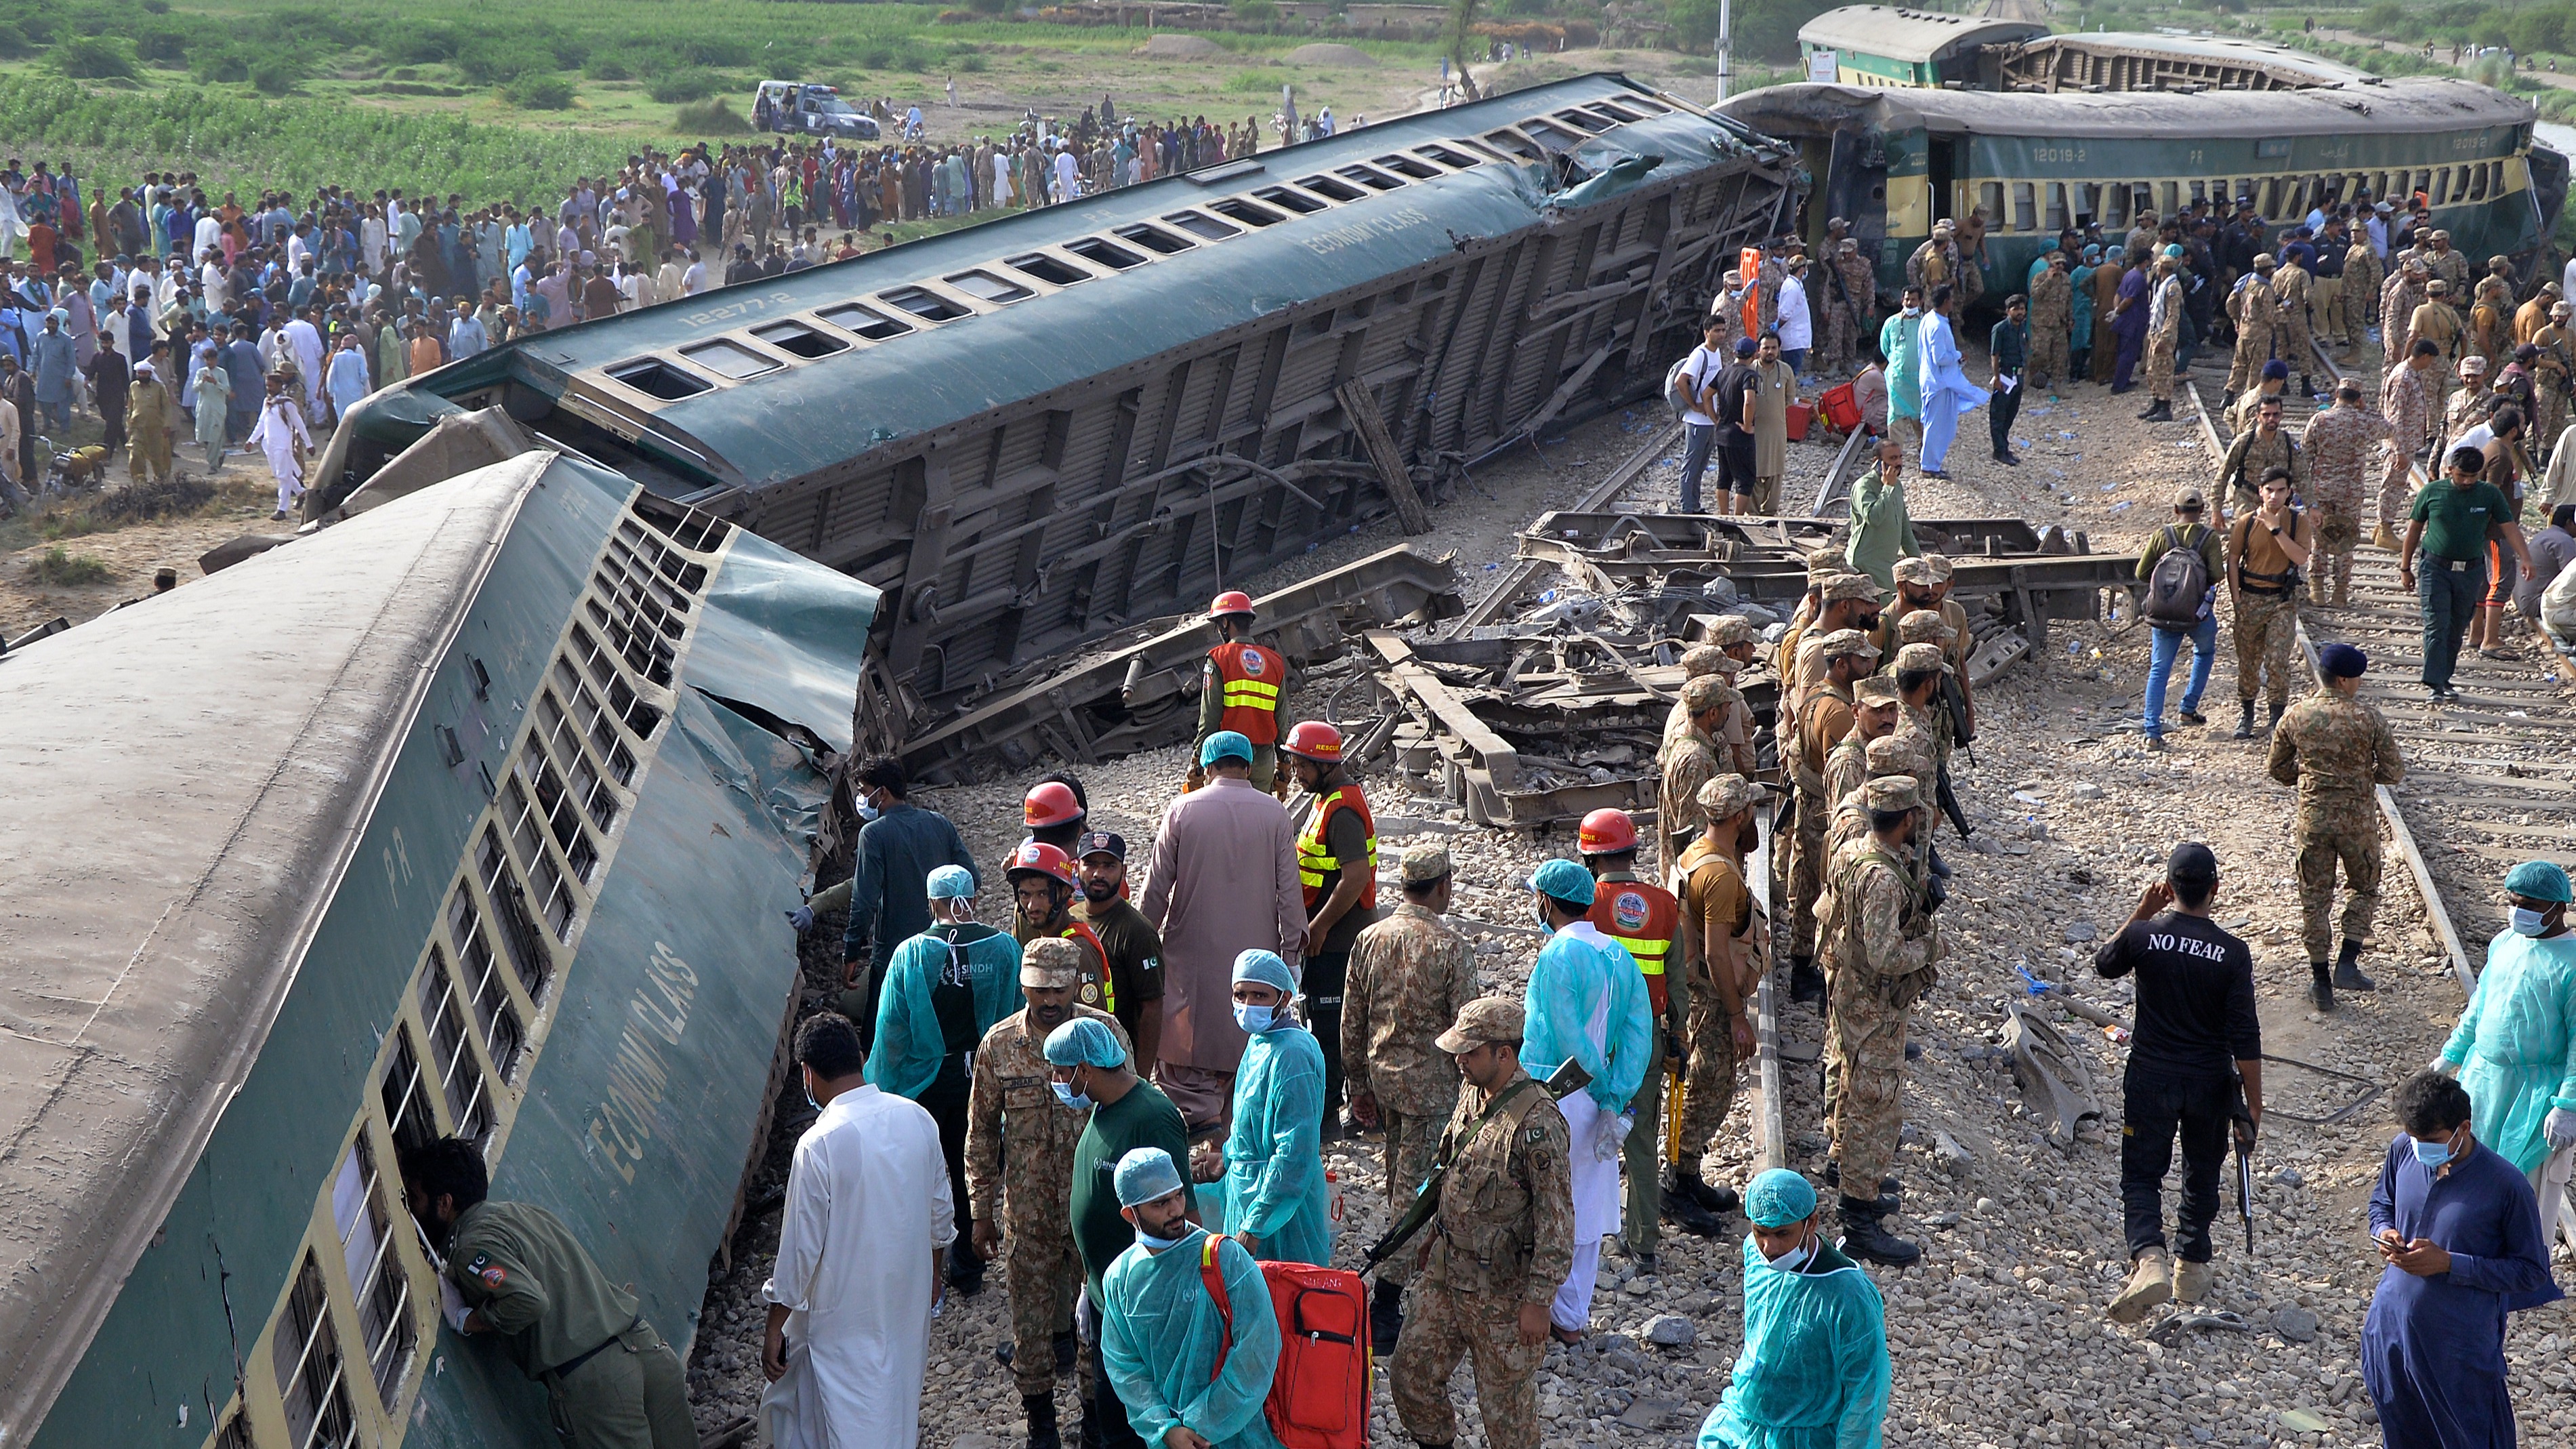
point(1725, 47)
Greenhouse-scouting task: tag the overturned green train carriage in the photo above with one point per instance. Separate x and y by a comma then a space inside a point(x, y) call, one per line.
point(1894, 161)
point(472, 814)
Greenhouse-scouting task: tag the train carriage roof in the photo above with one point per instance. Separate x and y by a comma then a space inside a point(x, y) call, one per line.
point(2284, 63)
point(1903, 34)
point(206, 760)
point(2410, 106)
point(787, 417)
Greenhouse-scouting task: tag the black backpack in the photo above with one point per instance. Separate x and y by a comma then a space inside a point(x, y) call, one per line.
point(2179, 585)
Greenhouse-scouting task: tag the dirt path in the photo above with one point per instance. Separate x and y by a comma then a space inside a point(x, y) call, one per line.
point(130, 555)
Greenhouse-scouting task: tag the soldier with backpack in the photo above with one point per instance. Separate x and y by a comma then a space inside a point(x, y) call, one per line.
point(2181, 564)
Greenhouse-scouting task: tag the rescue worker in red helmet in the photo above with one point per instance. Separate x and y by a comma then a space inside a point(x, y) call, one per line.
point(1239, 690)
point(1646, 919)
point(1043, 890)
point(1055, 813)
point(1337, 866)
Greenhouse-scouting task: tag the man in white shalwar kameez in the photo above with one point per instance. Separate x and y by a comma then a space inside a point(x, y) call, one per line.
point(304, 341)
point(850, 1298)
point(281, 436)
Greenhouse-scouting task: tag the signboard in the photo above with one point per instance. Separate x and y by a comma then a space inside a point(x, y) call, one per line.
point(1822, 66)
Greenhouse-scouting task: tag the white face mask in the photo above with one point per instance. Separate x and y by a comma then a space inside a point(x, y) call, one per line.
point(1913, 311)
point(1794, 1259)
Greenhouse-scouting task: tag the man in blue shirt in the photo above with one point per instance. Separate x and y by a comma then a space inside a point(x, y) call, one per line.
point(899, 846)
point(2008, 346)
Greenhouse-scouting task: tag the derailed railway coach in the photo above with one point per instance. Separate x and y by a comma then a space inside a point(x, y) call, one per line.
point(468, 815)
point(1894, 161)
point(1077, 418)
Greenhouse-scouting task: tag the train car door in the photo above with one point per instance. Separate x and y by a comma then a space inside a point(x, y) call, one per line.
point(1941, 166)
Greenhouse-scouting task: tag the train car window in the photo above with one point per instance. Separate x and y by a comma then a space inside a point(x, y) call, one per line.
point(510, 918)
point(2115, 204)
point(2055, 219)
point(729, 359)
point(1201, 225)
point(2025, 209)
point(2477, 183)
point(450, 1060)
point(1990, 202)
point(985, 287)
point(1246, 212)
point(312, 1376)
point(653, 377)
point(1289, 199)
point(2170, 192)
point(1370, 177)
point(1047, 269)
point(1327, 186)
point(1617, 113)
point(1580, 118)
point(2199, 192)
point(1479, 148)
point(377, 1282)
point(2442, 186)
point(798, 340)
point(1550, 135)
point(1407, 166)
point(1516, 144)
point(1446, 156)
point(405, 1096)
point(864, 321)
point(2088, 203)
point(2497, 183)
point(926, 304)
point(1107, 254)
point(235, 1434)
point(1649, 106)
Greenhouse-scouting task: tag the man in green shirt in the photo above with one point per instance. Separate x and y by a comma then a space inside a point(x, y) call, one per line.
point(1090, 1070)
point(1132, 949)
point(514, 1273)
point(2452, 523)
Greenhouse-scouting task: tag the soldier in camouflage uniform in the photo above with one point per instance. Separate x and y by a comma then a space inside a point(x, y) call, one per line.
point(1883, 948)
point(1501, 1245)
point(1851, 301)
point(1732, 739)
point(2256, 310)
point(2338, 751)
point(2438, 322)
point(2264, 595)
point(2406, 400)
point(2294, 287)
point(2469, 405)
point(2362, 274)
point(1410, 974)
point(1019, 1170)
point(2488, 330)
point(2164, 337)
point(2399, 296)
point(1936, 262)
point(1875, 712)
point(2551, 373)
point(1689, 763)
point(1726, 315)
point(1824, 717)
point(2052, 322)
point(2340, 443)
point(2447, 262)
point(2257, 451)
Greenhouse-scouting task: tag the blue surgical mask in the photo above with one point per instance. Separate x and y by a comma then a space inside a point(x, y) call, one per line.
point(1065, 1093)
point(2432, 1154)
point(1255, 1019)
point(868, 811)
point(1155, 1244)
point(2530, 922)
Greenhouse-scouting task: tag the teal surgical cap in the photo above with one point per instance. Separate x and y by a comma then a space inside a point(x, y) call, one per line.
point(2533, 880)
point(1266, 969)
point(1084, 1041)
point(1225, 745)
point(1146, 1174)
point(951, 882)
point(1778, 1198)
point(1564, 880)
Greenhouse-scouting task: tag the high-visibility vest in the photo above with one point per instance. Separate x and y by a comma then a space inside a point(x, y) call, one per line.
point(1642, 918)
point(1315, 858)
point(1100, 992)
point(1250, 676)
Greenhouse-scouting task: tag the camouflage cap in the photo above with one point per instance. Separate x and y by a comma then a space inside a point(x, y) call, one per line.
point(1877, 689)
point(1050, 961)
point(1701, 659)
point(1897, 754)
point(2263, 262)
point(1921, 657)
point(2410, 263)
point(1423, 864)
point(2436, 287)
point(2473, 363)
point(1703, 694)
point(1930, 568)
point(1485, 1019)
point(1730, 630)
point(1728, 664)
point(1844, 642)
point(1851, 586)
point(1891, 793)
point(1825, 563)
point(1923, 626)
point(1725, 796)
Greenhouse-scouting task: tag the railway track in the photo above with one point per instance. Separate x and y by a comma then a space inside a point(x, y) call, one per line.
point(2489, 780)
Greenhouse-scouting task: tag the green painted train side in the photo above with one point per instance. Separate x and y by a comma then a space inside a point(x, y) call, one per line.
point(639, 1100)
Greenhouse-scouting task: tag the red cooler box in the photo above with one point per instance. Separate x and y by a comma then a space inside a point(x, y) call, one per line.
point(1800, 414)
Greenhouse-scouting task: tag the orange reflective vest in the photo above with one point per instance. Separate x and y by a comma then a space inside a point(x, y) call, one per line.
point(1318, 869)
point(1251, 676)
point(1642, 918)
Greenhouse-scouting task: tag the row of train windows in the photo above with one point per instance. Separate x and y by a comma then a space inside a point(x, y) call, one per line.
point(901, 310)
point(2050, 206)
point(446, 1071)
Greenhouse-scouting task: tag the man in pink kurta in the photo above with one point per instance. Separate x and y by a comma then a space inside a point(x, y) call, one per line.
point(1223, 881)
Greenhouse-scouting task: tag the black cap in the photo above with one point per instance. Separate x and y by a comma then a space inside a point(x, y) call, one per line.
point(1100, 842)
point(2191, 864)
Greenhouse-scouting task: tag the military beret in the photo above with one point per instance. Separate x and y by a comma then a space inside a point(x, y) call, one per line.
point(1485, 1019)
point(1701, 659)
point(1725, 796)
point(1851, 586)
point(1730, 630)
point(1877, 689)
point(1844, 642)
point(1921, 657)
point(1890, 793)
point(2276, 370)
point(1930, 568)
point(2342, 661)
point(1923, 626)
point(1423, 864)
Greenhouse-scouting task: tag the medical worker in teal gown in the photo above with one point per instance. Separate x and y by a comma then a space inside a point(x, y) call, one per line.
point(1814, 1371)
point(1275, 1196)
point(1168, 1348)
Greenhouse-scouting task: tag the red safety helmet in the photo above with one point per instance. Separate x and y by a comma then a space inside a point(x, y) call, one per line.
point(1036, 856)
point(1606, 832)
point(1051, 803)
point(1232, 601)
point(1314, 740)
